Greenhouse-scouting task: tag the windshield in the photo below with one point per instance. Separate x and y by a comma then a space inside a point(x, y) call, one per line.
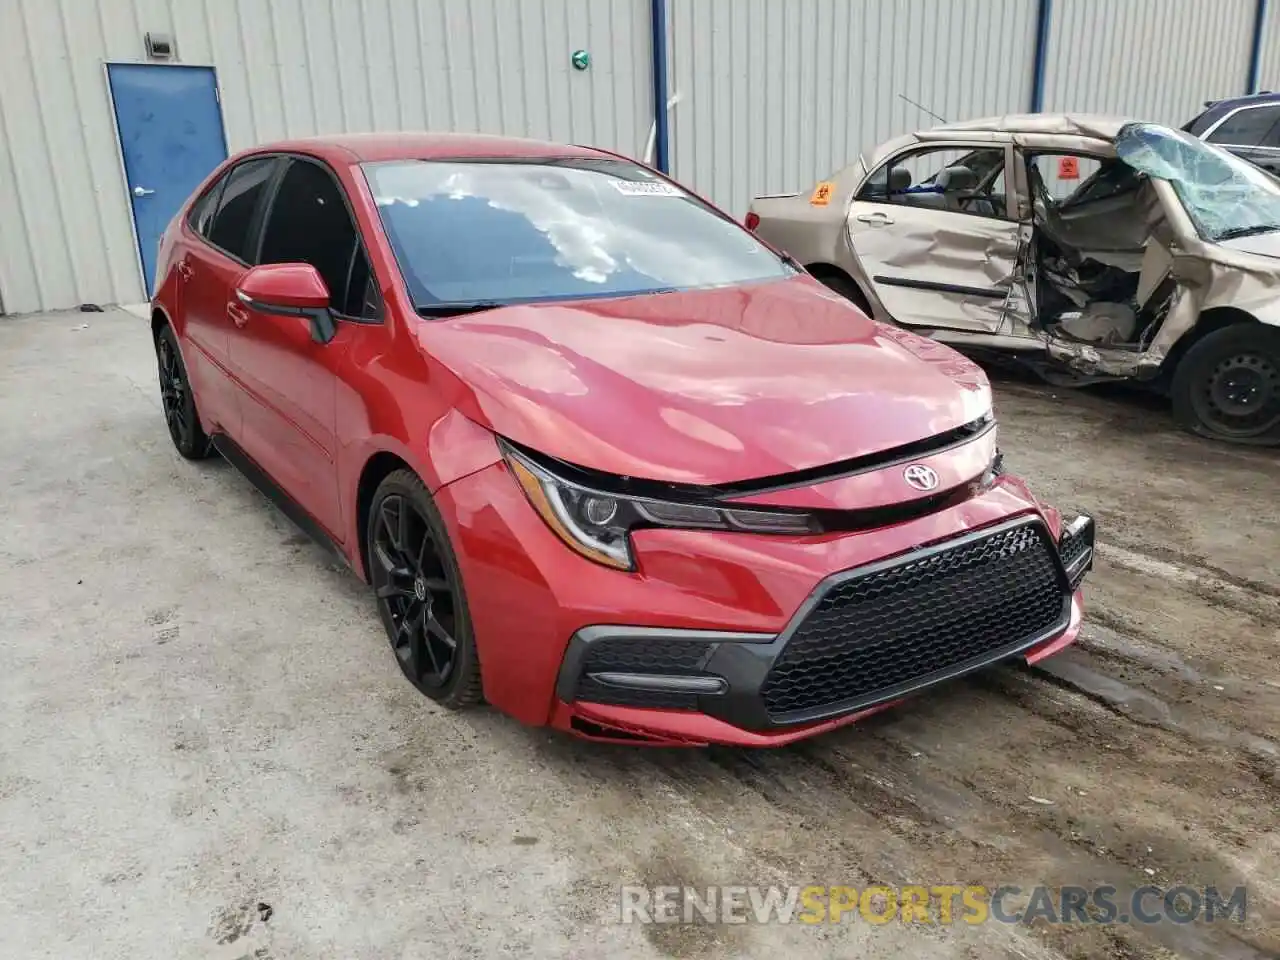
point(1224, 195)
point(494, 232)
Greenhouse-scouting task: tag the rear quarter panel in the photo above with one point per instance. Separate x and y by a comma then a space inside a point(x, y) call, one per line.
point(809, 233)
point(168, 292)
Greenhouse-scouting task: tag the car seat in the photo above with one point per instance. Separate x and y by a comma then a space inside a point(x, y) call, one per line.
point(957, 184)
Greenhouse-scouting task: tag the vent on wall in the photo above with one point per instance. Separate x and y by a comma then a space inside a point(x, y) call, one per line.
point(159, 45)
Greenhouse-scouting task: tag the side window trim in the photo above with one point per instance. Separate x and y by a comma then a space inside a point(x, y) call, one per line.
point(1207, 135)
point(269, 205)
point(258, 225)
point(256, 221)
point(923, 147)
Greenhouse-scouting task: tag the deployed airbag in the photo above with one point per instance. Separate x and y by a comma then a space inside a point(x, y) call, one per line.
point(1101, 322)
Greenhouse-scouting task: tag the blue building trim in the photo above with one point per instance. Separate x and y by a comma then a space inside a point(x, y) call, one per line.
point(1044, 15)
point(1255, 51)
point(658, 26)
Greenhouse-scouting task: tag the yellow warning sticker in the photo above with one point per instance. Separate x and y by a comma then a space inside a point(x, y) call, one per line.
point(822, 193)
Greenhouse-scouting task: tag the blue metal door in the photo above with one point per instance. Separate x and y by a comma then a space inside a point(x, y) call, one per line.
point(170, 127)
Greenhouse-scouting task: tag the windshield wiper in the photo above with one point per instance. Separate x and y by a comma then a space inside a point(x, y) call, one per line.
point(457, 309)
point(1237, 232)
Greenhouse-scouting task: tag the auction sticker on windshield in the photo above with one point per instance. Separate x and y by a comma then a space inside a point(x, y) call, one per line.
point(647, 188)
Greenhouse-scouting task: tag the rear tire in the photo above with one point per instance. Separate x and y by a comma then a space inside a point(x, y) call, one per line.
point(1227, 385)
point(178, 399)
point(415, 576)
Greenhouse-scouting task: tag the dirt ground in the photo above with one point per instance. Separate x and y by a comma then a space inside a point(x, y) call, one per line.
point(206, 749)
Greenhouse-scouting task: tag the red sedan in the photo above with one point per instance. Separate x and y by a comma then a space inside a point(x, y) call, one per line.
point(608, 462)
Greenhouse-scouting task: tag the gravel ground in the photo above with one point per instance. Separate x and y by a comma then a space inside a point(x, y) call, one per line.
point(206, 749)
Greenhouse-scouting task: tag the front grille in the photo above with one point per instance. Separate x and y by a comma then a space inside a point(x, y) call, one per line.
point(892, 628)
point(642, 655)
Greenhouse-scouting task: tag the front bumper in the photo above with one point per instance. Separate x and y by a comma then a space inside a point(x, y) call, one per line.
point(721, 615)
point(864, 639)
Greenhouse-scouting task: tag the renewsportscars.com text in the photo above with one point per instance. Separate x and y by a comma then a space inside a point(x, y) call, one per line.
point(941, 904)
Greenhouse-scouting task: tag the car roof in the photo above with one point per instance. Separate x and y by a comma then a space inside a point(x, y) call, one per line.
point(373, 147)
point(1097, 126)
point(1248, 99)
point(999, 129)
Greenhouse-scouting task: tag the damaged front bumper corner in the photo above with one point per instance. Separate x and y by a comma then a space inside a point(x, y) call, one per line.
point(1076, 548)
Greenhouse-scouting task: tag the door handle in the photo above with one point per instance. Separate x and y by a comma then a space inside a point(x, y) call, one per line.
point(185, 270)
point(238, 314)
point(142, 192)
point(877, 218)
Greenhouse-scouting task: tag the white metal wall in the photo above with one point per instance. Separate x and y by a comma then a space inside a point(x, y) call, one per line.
point(1156, 60)
point(1269, 61)
point(285, 68)
point(775, 94)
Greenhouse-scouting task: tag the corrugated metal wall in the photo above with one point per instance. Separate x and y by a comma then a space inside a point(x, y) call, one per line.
point(775, 94)
point(1269, 60)
point(285, 68)
point(1154, 59)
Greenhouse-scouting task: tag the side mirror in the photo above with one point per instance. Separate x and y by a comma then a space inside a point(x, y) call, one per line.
point(289, 290)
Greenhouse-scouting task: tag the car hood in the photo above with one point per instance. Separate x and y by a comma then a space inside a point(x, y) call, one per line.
point(704, 387)
point(1262, 244)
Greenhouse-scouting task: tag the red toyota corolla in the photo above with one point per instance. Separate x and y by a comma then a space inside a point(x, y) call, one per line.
point(608, 462)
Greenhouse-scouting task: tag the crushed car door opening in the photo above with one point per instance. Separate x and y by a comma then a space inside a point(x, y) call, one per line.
point(1099, 261)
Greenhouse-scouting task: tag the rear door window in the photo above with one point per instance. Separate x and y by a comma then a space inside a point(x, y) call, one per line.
point(232, 228)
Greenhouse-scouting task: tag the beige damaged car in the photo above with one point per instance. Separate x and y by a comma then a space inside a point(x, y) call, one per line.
point(1087, 248)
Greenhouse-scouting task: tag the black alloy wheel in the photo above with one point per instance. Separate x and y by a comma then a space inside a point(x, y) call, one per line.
point(177, 399)
point(419, 592)
point(1228, 385)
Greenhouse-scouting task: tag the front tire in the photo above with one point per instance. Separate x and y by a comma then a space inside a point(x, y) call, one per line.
point(1227, 386)
point(415, 577)
point(178, 400)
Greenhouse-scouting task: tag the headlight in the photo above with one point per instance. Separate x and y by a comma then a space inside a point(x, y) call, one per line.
point(598, 523)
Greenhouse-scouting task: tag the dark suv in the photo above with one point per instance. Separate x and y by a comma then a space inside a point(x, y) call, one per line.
point(1247, 126)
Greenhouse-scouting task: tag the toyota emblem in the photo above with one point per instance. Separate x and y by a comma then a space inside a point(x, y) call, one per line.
point(920, 476)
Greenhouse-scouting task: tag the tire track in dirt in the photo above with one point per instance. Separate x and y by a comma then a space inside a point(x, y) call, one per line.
point(882, 803)
point(939, 820)
point(1151, 759)
point(1214, 585)
point(774, 817)
point(1011, 836)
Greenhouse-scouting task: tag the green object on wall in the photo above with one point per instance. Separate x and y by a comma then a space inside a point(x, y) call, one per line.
point(580, 59)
